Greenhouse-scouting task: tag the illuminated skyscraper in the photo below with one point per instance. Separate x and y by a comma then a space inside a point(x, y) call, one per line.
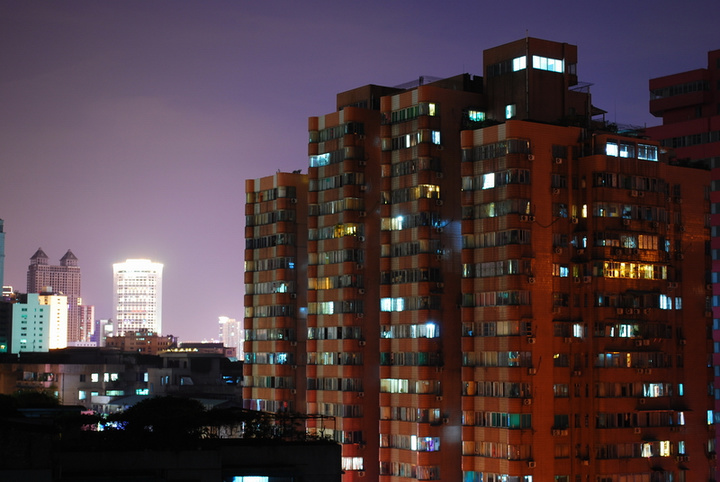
point(63, 279)
point(500, 287)
point(137, 296)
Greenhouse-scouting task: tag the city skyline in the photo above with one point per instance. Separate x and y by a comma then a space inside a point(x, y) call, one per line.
point(148, 117)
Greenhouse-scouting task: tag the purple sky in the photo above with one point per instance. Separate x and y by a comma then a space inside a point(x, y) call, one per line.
point(128, 128)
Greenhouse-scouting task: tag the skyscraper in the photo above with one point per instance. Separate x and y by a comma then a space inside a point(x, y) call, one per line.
point(501, 287)
point(62, 279)
point(137, 296)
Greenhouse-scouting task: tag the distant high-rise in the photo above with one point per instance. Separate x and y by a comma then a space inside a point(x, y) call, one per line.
point(64, 279)
point(2, 252)
point(231, 334)
point(39, 322)
point(137, 296)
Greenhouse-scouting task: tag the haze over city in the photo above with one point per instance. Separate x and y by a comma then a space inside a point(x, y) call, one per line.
point(128, 129)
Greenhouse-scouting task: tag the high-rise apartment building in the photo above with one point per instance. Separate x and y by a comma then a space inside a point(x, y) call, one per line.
point(137, 296)
point(39, 322)
point(232, 335)
point(2, 253)
point(689, 105)
point(63, 279)
point(275, 279)
point(499, 288)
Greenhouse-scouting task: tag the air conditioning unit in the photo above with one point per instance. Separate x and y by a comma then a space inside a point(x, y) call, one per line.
point(440, 285)
point(293, 391)
point(361, 394)
point(682, 341)
point(577, 373)
point(360, 315)
point(633, 193)
point(439, 175)
point(637, 430)
point(681, 228)
point(620, 311)
point(362, 343)
point(439, 230)
point(363, 187)
point(293, 343)
point(646, 311)
point(580, 251)
point(531, 219)
point(363, 214)
point(293, 200)
point(361, 473)
point(558, 250)
point(361, 239)
point(293, 296)
point(626, 222)
point(438, 398)
point(576, 279)
point(642, 401)
point(362, 163)
point(587, 279)
point(523, 218)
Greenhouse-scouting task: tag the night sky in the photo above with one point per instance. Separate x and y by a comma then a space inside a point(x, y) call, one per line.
point(128, 128)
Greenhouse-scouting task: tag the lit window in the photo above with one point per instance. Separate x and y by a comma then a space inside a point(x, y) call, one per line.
point(545, 63)
point(436, 137)
point(510, 111)
point(94, 377)
point(519, 63)
point(611, 149)
point(82, 395)
point(476, 115)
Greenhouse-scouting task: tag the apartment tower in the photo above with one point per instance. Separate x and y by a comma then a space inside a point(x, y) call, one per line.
point(275, 291)
point(137, 296)
point(500, 289)
point(689, 105)
point(62, 279)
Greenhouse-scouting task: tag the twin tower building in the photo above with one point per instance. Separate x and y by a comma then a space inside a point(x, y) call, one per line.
point(53, 314)
point(481, 280)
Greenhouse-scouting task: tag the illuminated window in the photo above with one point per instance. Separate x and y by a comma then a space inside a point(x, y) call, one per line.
point(94, 377)
point(82, 395)
point(476, 116)
point(519, 63)
point(611, 149)
point(510, 111)
point(545, 63)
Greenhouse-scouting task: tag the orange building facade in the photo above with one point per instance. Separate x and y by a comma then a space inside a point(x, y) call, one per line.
point(498, 290)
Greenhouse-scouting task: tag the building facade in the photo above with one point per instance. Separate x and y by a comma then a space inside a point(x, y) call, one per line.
point(39, 322)
point(275, 273)
point(689, 105)
point(137, 296)
point(232, 335)
point(2, 252)
point(63, 278)
point(499, 287)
